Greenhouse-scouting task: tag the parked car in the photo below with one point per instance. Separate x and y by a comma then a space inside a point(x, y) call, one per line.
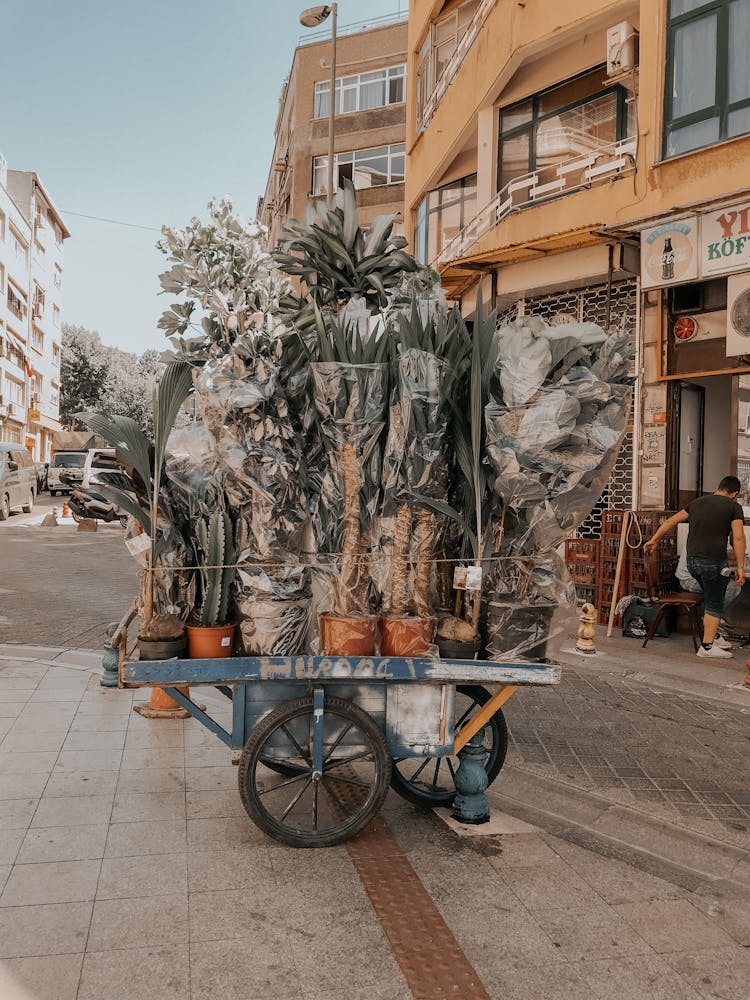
point(71, 462)
point(99, 462)
point(17, 479)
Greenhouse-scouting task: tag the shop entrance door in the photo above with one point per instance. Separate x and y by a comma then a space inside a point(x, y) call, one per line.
point(690, 471)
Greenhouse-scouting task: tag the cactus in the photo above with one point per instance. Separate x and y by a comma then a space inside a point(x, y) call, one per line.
point(216, 558)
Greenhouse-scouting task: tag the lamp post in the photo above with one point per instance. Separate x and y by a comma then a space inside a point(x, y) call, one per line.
point(311, 18)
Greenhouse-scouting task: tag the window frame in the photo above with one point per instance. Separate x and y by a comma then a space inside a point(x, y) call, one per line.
point(399, 146)
point(323, 87)
point(531, 126)
point(721, 108)
point(423, 213)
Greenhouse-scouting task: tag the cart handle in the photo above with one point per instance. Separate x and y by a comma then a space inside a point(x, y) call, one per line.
point(484, 714)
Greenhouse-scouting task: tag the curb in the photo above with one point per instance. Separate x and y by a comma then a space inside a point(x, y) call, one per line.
point(53, 656)
point(735, 693)
point(546, 802)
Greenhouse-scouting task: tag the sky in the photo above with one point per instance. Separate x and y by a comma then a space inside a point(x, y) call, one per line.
point(140, 112)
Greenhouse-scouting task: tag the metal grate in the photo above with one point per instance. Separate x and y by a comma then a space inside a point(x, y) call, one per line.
point(590, 305)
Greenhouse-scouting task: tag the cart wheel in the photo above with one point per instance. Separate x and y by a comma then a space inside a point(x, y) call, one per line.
point(296, 809)
point(428, 781)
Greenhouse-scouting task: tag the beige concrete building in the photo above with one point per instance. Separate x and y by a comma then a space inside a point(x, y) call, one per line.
point(31, 276)
point(589, 158)
point(369, 129)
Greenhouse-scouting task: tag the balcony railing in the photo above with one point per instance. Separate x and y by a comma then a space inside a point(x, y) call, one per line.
point(454, 63)
point(605, 163)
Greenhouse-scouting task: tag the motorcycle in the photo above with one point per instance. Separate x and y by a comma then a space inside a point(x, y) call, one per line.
point(85, 502)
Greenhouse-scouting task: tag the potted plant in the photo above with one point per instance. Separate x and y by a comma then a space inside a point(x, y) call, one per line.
point(346, 278)
point(157, 542)
point(212, 635)
point(246, 452)
point(431, 354)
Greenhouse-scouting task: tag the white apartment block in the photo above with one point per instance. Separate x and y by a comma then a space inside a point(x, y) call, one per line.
point(31, 274)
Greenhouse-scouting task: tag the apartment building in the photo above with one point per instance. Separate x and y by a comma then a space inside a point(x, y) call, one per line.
point(31, 273)
point(588, 158)
point(370, 123)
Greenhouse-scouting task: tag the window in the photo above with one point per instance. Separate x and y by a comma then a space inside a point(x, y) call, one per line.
point(56, 354)
point(56, 315)
point(365, 168)
point(442, 214)
point(57, 276)
point(35, 386)
point(568, 121)
point(2, 279)
point(16, 303)
point(362, 92)
point(37, 339)
point(438, 48)
point(38, 301)
point(13, 391)
point(707, 93)
point(2, 226)
point(13, 354)
point(19, 246)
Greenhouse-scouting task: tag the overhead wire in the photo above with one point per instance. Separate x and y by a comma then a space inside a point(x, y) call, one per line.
point(113, 222)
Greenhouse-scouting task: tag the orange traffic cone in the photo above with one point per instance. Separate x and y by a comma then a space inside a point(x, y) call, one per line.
point(162, 706)
point(747, 678)
point(66, 509)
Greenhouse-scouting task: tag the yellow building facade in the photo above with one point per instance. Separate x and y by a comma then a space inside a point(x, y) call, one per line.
point(588, 159)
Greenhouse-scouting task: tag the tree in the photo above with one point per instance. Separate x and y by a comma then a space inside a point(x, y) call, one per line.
point(84, 367)
point(94, 376)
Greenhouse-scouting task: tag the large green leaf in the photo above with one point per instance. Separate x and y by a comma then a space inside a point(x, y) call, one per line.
point(171, 392)
point(124, 434)
point(127, 504)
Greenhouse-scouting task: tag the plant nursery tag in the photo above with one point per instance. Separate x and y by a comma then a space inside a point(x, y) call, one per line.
point(225, 641)
point(459, 578)
point(473, 577)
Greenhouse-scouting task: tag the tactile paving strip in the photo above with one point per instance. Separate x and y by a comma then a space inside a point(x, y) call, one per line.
point(429, 956)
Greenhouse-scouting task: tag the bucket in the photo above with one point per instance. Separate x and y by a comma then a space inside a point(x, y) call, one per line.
point(401, 636)
point(210, 643)
point(453, 649)
point(347, 636)
point(161, 649)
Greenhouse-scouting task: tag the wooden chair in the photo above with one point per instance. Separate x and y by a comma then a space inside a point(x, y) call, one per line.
point(690, 603)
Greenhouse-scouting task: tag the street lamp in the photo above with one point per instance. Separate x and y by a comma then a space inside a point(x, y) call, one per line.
point(311, 18)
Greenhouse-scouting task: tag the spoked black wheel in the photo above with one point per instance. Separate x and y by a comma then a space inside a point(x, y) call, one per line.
point(428, 781)
point(298, 807)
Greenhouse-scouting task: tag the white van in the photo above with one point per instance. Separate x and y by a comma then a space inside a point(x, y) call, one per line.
point(99, 461)
point(70, 462)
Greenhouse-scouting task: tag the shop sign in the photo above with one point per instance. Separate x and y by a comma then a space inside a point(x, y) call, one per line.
point(725, 240)
point(34, 415)
point(669, 253)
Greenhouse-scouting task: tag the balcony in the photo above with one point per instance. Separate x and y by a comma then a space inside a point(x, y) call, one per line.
point(435, 73)
point(16, 305)
point(605, 163)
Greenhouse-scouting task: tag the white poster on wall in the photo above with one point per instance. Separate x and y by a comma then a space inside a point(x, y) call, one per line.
point(669, 253)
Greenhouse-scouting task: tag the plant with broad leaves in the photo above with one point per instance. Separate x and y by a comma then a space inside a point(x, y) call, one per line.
point(228, 281)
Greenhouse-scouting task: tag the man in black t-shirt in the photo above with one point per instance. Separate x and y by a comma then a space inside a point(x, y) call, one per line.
point(711, 521)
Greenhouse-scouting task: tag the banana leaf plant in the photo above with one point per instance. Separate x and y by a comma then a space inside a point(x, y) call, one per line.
point(146, 459)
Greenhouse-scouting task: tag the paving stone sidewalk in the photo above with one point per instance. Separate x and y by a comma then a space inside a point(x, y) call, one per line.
point(128, 871)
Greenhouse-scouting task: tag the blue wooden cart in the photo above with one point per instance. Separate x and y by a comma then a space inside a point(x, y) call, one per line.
point(319, 739)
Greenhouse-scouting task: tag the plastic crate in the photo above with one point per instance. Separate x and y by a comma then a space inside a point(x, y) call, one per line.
point(664, 572)
point(603, 616)
point(612, 522)
point(585, 574)
point(582, 551)
point(608, 569)
point(586, 595)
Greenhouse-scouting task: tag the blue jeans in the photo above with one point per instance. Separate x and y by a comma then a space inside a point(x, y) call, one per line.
point(708, 574)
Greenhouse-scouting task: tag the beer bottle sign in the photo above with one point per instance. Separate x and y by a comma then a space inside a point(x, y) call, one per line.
point(667, 261)
point(669, 253)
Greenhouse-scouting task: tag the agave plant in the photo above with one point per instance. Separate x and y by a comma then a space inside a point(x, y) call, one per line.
point(146, 459)
point(335, 260)
point(216, 560)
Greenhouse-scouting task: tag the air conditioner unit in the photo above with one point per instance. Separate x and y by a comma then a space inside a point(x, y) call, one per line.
point(621, 49)
point(738, 315)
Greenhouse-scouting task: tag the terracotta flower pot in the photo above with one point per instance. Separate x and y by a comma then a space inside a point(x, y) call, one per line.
point(406, 636)
point(210, 643)
point(347, 636)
